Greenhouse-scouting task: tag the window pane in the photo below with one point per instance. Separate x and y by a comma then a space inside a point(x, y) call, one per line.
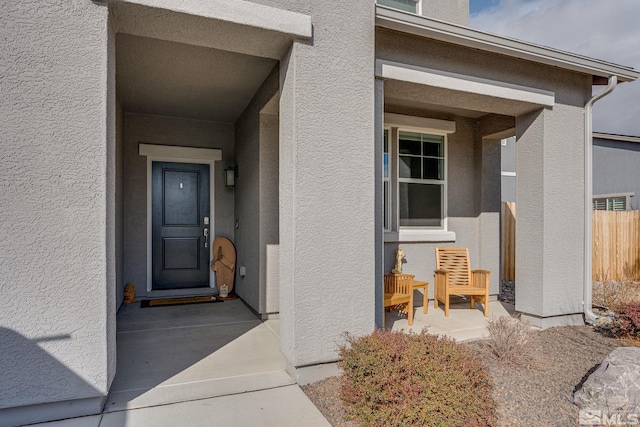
point(410, 167)
point(420, 204)
point(406, 5)
point(410, 143)
point(385, 156)
point(433, 168)
point(386, 205)
point(433, 149)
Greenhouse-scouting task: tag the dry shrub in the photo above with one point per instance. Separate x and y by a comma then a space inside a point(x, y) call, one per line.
point(614, 293)
point(627, 324)
point(397, 379)
point(509, 339)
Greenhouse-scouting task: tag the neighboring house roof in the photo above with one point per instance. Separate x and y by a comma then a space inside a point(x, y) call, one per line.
point(439, 30)
point(614, 137)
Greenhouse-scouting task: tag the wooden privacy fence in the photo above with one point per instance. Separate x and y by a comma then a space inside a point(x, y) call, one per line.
point(508, 241)
point(616, 245)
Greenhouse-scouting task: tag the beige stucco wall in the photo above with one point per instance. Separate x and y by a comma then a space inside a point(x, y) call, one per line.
point(56, 209)
point(454, 11)
point(140, 128)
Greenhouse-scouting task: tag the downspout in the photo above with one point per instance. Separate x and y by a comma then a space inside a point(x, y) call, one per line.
point(588, 199)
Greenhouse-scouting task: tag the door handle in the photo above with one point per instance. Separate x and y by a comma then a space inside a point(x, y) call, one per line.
point(206, 237)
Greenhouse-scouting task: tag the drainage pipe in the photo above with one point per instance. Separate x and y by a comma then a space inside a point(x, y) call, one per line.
point(587, 302)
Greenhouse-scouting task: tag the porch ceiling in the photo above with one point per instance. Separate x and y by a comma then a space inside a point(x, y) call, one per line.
point(174, 79)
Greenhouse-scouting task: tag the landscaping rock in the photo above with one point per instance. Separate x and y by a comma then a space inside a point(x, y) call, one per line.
point(615, 385)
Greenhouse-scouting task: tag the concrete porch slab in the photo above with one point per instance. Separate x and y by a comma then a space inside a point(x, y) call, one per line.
point(463, 323)
point(181, 353)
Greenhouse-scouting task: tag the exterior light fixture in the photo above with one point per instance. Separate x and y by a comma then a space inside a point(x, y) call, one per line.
point(230, 175)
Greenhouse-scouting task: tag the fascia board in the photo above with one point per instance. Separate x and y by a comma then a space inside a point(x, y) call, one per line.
point(470, 84)
point(613, 137)
point(443, 31)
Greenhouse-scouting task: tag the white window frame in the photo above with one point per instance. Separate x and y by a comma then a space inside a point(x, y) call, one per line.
point(394, 124)
point(386, 203)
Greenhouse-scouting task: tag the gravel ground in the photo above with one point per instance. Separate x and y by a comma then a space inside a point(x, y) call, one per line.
point(535, 395)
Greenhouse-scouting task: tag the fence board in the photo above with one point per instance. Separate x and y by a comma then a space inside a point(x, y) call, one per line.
point(616, 245)
point(508, 230)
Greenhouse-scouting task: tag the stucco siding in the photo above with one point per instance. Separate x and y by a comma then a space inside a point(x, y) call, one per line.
point(55, 260)
point(615, 168)
point(327, 183)
point(119, 195)
point(249, 195)
point(269, 208)
point(454, 11)
point(140, 128)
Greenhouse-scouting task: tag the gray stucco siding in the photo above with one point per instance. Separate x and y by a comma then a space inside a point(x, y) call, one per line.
point(615, 168)
point(253, 199)
point(141, 128)
point(56, 222)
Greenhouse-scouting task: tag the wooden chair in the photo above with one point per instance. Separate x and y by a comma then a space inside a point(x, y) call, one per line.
point(454, 277)
point(398, 293)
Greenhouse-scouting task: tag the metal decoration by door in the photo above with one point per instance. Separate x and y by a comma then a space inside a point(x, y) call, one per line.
point(180, 225)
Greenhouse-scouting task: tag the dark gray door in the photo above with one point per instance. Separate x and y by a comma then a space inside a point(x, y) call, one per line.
point(179, 206)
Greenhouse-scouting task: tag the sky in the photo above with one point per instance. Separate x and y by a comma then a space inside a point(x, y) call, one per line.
point(604, 29)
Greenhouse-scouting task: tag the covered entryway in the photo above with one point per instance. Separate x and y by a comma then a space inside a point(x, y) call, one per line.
point(197, 92)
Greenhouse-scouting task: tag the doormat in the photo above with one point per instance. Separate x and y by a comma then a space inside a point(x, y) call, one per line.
point(177, 301)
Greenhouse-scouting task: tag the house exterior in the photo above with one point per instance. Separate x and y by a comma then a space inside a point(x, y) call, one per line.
point(616, 178)
point(353, 129)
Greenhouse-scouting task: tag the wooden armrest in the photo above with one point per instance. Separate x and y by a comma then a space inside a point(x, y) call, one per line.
point(480, 278)
point(441, 271)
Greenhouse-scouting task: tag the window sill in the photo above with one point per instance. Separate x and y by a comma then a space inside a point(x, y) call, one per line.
point(427, 236)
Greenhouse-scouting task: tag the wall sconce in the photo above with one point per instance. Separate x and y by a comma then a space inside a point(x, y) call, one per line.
point(230, 175)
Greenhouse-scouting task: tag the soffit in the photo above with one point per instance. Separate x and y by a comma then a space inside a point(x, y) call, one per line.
point(174, 79)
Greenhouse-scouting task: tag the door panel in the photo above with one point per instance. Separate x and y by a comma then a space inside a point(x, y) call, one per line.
point(179, 203)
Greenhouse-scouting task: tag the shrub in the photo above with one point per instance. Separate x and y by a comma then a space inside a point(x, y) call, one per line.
point(627, 324)
point(509, 339)
point(397, 379)
point(612, 294)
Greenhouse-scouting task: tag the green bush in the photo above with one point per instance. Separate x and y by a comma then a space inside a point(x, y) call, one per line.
point(397, 379)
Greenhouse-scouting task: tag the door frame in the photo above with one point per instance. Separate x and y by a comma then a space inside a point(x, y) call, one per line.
point(171, 153)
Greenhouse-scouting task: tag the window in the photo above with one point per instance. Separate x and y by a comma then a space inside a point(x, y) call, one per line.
point(386, 191)
point(412, 6)
point(611, 203)
point(421, 179)
point(414, 180)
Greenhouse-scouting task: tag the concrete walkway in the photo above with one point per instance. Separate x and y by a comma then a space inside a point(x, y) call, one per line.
point(218, 364)
point(200, 365)
point(278, 407)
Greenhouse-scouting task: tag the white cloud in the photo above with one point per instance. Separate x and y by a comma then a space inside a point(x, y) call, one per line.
point(607, 30)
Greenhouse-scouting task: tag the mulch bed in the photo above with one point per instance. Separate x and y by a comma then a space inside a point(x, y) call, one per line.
point(534, 395)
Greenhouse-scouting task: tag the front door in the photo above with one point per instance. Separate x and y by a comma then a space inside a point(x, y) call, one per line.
point(180, 219)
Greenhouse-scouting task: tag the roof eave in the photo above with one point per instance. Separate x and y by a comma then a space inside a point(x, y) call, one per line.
point(451, 33)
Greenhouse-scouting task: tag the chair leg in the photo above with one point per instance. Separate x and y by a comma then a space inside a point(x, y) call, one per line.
point(435, 301)
point(473, 302)
point(486, 305)
point(425, 301)
point(446, 306)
